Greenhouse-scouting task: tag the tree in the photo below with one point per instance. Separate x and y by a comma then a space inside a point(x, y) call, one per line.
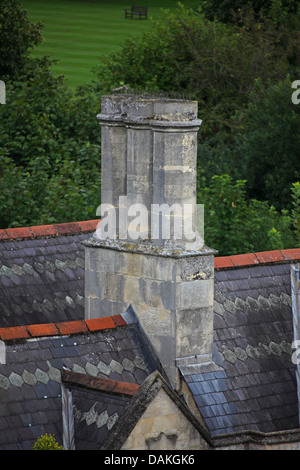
point(266, 150)
point(17, 36)
point(49, 139)
point(189, 56)
point(234, 224)
point(226, 10)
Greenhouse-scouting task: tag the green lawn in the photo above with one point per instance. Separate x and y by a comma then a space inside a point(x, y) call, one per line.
point(78, 32)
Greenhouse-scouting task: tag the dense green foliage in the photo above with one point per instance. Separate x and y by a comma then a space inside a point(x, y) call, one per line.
point(234, 224)
point(186, 54)
point(225, 10)
point(264, 148)
point(240, 71)
point(18, 35)
point(49, 143)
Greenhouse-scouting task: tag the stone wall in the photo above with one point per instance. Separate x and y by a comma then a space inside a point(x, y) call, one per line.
point(164, 427)
point(172, 297)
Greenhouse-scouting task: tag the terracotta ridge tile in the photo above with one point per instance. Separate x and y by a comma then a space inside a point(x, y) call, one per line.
point(119, 320)
point(98, 324)
point(270, 256)
point(19, 232)
point(258, 258)
point(3, 235)
point(222, 262)
point(247, 259)
point(291, 254)
point(42, 329)
point(14, 333)
point(61, 328)
point(99, 383)
point(72, 327)
point(35, 231)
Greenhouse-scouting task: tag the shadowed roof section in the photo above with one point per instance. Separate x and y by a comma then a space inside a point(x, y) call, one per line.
point(42, 273)
point(251, 384)
point(107, 356)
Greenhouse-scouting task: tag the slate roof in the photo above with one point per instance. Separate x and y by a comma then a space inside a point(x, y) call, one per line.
point(30, 380)
point(97, 405)
point(251, 383)
point(42, 273)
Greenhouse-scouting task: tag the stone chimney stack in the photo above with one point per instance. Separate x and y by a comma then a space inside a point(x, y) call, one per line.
point(147, 251)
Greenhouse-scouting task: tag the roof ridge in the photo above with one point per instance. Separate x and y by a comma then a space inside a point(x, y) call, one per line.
point(92, 325)
point(99, 383)
point(222, 262)
point(50, 230)
point(258, 258)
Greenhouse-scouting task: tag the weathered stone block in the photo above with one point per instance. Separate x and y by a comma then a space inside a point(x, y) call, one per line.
point(129, 264)
point(115, 287)
point(132, 293)
point(194, 331)
point(100, 260)
point(196, 293)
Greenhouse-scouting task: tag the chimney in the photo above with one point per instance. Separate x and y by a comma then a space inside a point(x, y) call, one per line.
point(148, 252)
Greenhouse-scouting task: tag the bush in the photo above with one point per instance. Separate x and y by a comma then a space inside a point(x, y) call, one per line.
point(50, 153)
point(47, 442)
point(235, 225)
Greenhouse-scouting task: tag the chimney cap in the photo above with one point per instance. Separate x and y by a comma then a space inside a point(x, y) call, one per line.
point(131, 108)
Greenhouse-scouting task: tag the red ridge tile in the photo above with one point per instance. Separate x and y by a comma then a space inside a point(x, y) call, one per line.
point(13, 332)
point(292, 254)
point(97, 324)
point(119, 320)
point(71, 327)
point(269, 256)
point(63, 328)
point(244, 260)
point(21, 232)
point(223, 262)
point(44, 329)
point(106, 385)
point(69, 227)
point(88, 225)
point(43, 230)
point(99, 383)
point(126, 388)
point(3, 235)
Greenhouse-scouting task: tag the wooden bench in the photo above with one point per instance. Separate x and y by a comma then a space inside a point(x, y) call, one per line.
point(135, 10)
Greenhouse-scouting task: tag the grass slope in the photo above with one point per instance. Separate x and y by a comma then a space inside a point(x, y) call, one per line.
point(79, 32)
